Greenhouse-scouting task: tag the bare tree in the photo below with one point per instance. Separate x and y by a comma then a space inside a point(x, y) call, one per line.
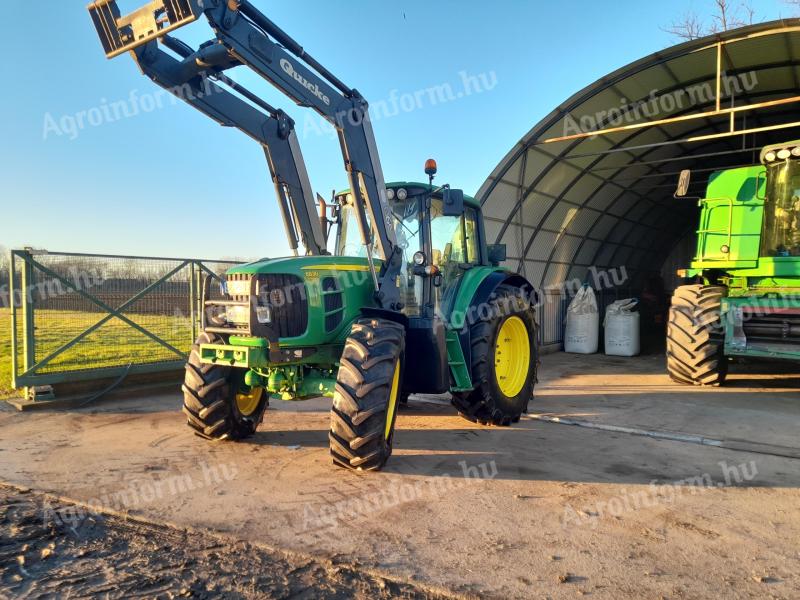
point(688, 27)
point(725, 15)
point(5, 267)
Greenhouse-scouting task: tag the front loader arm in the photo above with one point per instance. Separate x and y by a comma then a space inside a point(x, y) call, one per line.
point(193, 80)
point(247, 35)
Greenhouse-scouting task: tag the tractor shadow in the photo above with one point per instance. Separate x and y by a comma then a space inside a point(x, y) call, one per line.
point(431, 441)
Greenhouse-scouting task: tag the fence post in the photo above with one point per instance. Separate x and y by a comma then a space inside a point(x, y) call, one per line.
point(28, 305)
point(12, 295)
point(193, 300)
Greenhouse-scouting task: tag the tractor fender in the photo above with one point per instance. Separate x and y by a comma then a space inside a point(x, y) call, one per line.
point(498, 278)
point(384, 313)
point(476, 289)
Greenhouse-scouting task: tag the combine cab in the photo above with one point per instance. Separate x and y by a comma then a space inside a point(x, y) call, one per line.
point(746, 275)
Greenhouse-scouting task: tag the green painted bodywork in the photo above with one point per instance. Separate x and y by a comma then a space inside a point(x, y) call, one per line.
point(732, 216)
point(315, 374)
point(310, 375)
point(354, 280)
point(459, 312)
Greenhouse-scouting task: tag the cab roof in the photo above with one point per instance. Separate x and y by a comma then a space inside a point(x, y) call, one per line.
point(415, 187)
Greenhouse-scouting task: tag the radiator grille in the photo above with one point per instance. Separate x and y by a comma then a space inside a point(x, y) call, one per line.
point(334, 302)
point(286, 295)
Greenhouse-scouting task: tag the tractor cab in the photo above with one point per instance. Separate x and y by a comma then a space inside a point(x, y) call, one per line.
point(438, 246)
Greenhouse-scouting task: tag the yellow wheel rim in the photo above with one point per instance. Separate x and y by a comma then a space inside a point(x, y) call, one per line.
point(392, 400)
point(512, 356)
point(248, 403)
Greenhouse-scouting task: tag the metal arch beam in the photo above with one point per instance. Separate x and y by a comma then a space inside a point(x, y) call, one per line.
point(609, 181)
point(562, 201)
point(588, 238)
point(613, 203)
point(616, 199)
point(525, 147)
point(583, 172)
point(679, 85)
point(562, 111)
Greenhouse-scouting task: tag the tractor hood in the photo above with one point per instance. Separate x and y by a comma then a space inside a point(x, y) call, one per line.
point(303, 265)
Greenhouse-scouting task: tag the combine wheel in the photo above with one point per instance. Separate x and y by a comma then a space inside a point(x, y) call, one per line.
point(694, 338)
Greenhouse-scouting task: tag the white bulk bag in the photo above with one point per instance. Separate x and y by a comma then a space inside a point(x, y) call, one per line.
point(622, 328)
point(583, 323)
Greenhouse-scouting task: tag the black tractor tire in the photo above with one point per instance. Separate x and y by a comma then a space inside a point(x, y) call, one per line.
point(694, 336)
point(210, 398)
point(367, 394)
point(487, 403)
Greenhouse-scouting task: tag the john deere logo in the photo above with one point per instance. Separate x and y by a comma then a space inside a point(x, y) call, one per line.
point(288, 68)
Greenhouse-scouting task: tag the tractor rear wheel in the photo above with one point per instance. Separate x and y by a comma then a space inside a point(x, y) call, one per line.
point(215, 401)
point(694, 339)
point(367, 394)
point(504, 362)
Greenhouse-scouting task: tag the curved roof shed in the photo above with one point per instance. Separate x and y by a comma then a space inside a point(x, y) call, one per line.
point(592, 183)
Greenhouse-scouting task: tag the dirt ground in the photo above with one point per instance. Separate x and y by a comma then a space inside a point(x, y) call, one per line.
point(536, 510)
point(53, 548)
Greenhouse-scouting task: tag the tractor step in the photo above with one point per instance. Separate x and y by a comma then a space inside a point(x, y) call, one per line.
point(457, 362)
point(121, 33)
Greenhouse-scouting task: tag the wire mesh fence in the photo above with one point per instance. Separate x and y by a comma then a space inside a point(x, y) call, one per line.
point(79, 316)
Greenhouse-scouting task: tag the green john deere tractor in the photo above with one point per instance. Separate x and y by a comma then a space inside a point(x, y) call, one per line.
point(406, 298)
point(743, 297)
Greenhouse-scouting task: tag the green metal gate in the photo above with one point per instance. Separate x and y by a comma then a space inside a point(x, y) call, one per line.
point(78, 317)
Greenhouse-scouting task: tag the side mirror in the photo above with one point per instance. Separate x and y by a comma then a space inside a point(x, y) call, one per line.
point(683, 183)
point(453, 202)
point(497, 254)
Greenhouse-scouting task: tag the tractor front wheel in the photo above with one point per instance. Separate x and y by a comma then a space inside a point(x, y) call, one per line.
point(694, 337)
point(504, 362)
point(367, 394)
point(216, 403)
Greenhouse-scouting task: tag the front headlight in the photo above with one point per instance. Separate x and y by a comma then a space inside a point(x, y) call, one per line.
point(239, 287)
point(237, 314)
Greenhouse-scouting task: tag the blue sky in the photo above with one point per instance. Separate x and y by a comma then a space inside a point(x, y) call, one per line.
point(170, 182)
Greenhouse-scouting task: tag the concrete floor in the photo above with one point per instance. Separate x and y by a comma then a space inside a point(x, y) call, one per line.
point(547, 510)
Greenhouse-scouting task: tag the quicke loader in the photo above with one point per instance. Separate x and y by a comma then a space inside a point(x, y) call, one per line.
point(406, 298)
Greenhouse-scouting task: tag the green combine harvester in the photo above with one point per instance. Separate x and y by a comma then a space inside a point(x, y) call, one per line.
point(408, 297)
point(743, 300)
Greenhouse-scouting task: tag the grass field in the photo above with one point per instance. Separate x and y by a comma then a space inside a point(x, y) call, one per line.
point(5, 353)
point(113, 344)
